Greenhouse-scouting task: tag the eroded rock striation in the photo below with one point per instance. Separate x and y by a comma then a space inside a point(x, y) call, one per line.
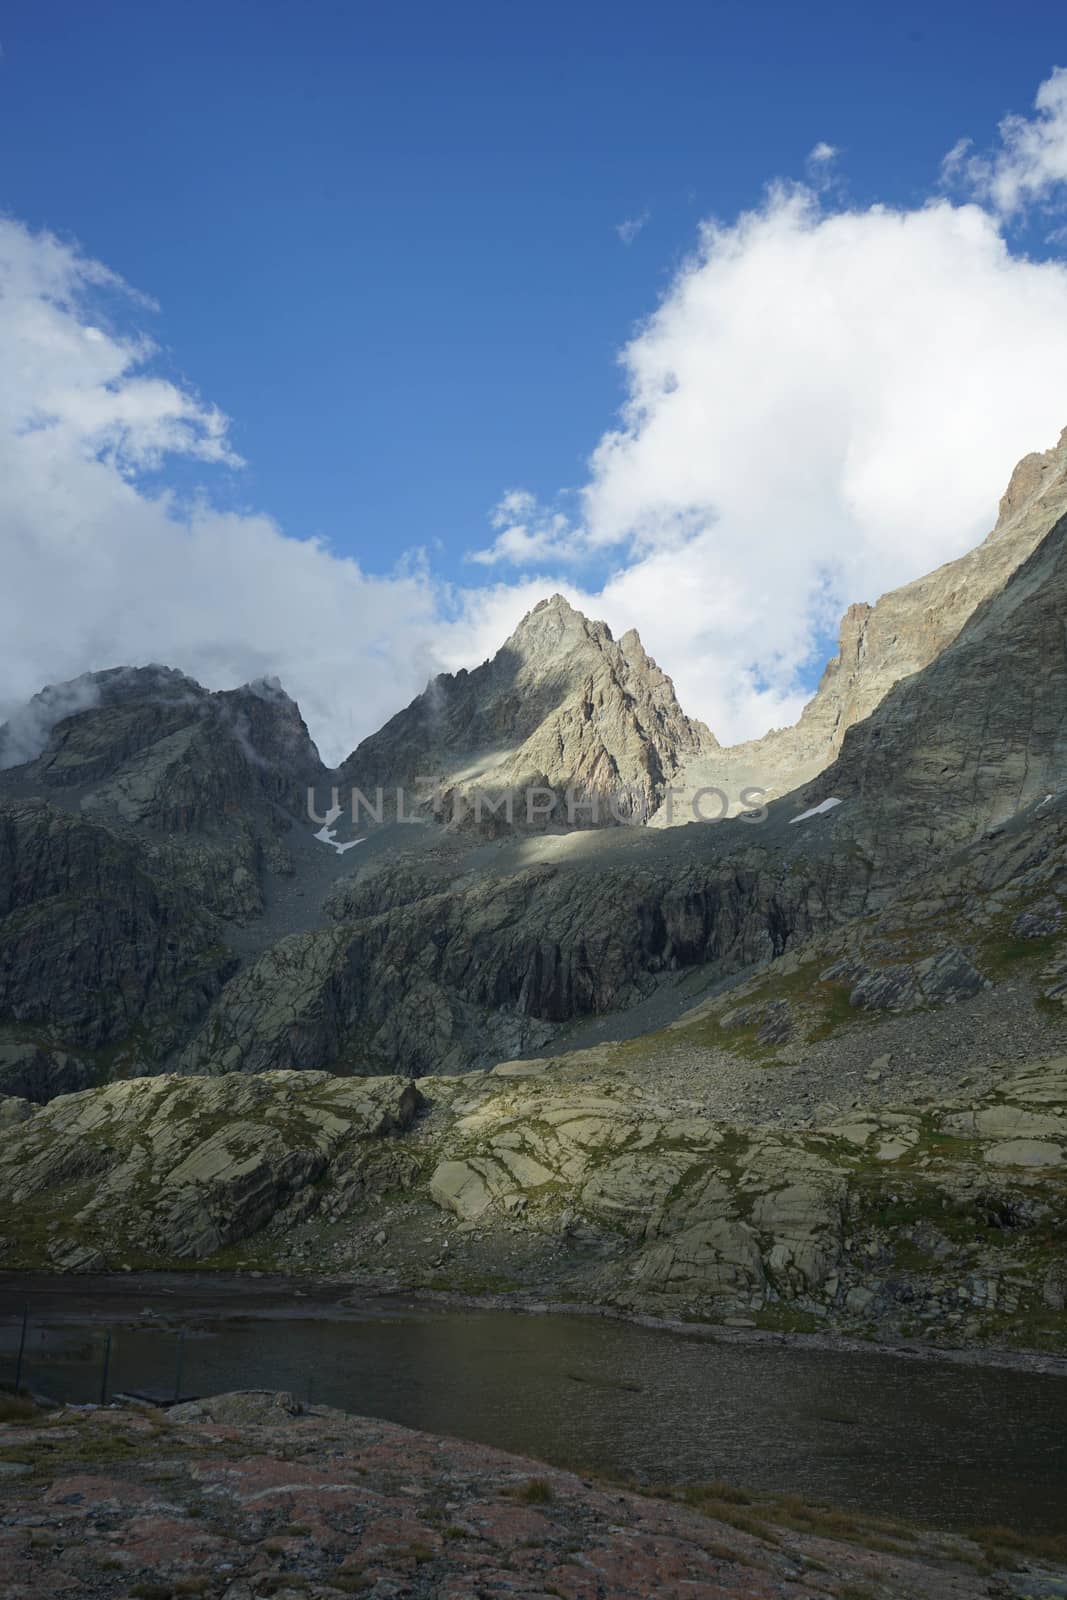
point(90, 939)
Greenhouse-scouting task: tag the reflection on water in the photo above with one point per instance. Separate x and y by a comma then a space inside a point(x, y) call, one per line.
point(948, 1445)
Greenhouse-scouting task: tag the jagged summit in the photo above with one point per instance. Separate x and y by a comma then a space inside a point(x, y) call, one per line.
point(553, 623)
point(557, 605)
point(1037, 480)
point(561, 704)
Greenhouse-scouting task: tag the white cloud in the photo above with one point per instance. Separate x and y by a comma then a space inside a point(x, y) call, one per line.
point(820, 167)
point(98, 572)
point(528, 532)
point(827, 402)
point(1030, 164)
point(81, 389)
point(628, 230)
point(25, 734)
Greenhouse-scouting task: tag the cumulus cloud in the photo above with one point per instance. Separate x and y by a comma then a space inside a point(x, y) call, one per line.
point(1029, 165)
point(77, 386)
point(99, 571)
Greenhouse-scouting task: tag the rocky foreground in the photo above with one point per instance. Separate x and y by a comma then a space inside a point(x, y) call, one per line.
point(250, 1495)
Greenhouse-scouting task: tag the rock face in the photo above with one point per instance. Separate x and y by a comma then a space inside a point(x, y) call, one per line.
point(148, 813)
point(976, 739)
point(169, 1168)
point(732, 1221)
point(205, 785)
point(89, 939)
point(442, 976)
point(562, 705)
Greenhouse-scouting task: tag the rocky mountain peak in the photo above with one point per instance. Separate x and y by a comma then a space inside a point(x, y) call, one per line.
point(554, 625)
point(556, 605)
point(80, 730)
point(29, 729)
point(561, 704)
point(268, 725)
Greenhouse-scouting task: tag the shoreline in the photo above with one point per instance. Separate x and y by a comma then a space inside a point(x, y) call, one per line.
point(1034, 1361)
point(275, 1297)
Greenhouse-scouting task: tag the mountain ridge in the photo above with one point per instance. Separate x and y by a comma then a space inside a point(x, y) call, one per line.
point(901, 633)
point(173, 821)
point(564, 704)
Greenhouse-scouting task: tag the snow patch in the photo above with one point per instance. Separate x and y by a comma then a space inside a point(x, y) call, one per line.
point(816, 811)
point(327, 834)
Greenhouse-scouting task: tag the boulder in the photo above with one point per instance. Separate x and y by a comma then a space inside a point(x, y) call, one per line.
point(1025, 1153)
point(458, 1187)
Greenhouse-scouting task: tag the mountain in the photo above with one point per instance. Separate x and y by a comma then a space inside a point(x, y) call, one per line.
point(444, 955)
point(206, 783)
point(169, 904)
point(899, 635)
point(802, 1069)
point(978, 738)
point(146, 827)
point(562, 705)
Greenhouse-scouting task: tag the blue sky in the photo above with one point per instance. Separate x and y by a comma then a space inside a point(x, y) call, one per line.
point(379, 230)
point(384, 241)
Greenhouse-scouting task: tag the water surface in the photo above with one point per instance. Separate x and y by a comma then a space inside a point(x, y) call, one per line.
point(934, 1442)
